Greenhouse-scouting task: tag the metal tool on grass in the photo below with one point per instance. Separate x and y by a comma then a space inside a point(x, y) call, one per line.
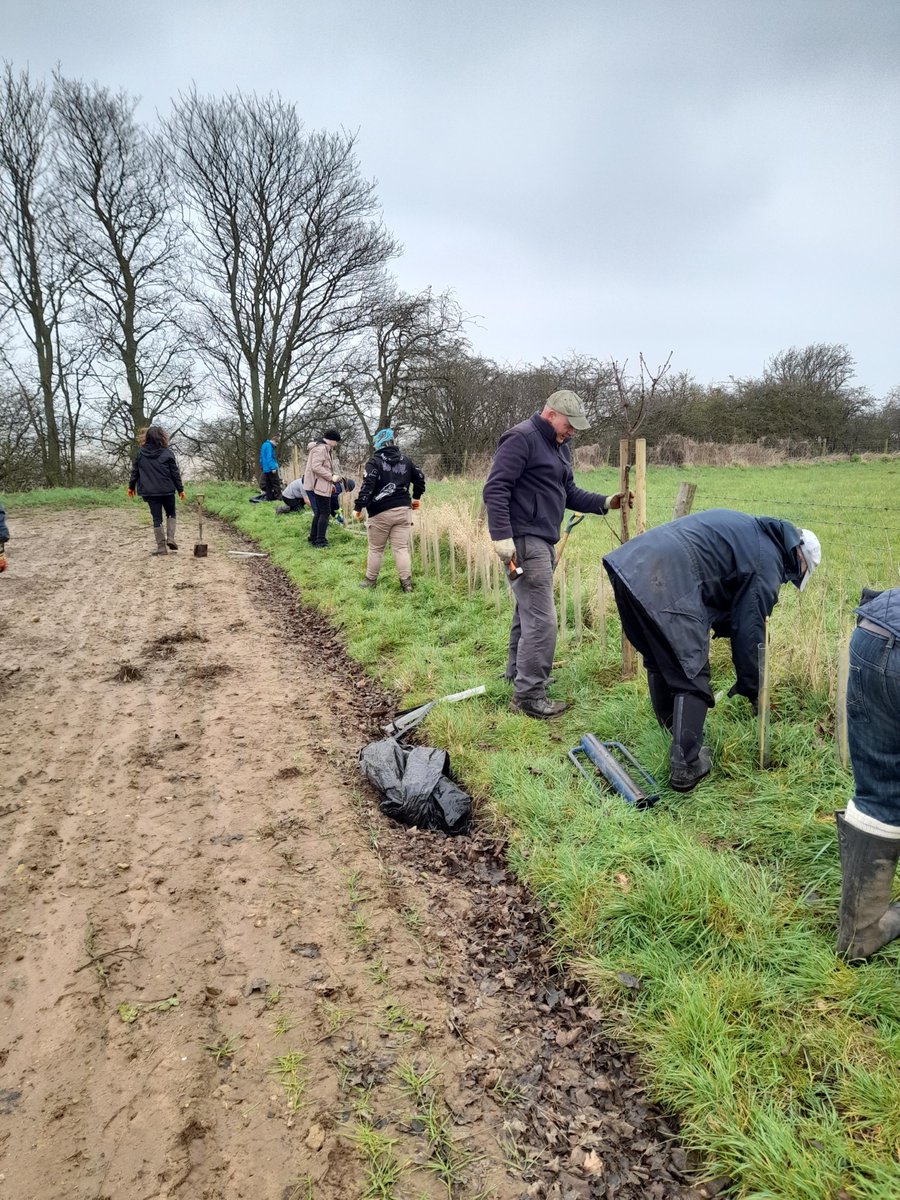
point(409, 718)
point(613, 761)
point(574, 519)
point(200, 547)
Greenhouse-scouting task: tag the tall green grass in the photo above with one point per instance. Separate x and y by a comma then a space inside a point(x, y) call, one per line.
point(781, 1061)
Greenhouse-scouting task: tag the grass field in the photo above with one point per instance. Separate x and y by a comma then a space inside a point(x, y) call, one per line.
point(782, 1062)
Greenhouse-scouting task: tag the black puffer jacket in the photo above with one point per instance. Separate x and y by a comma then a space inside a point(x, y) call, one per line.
point(717, 570)
point(881, 607)
point(155, 472)
point(386, 481)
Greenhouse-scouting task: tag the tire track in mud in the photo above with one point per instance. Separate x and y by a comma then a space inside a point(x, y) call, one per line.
point(275, 955)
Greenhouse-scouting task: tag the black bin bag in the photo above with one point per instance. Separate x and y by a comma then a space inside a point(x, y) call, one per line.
point(415, 786)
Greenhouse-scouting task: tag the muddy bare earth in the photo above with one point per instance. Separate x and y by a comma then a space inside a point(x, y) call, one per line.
point(223, 973)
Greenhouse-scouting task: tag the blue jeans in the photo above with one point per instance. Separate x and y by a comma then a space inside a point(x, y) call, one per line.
point(873, 724)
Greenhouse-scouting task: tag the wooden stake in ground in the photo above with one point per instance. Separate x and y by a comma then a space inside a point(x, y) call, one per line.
point(469, 571)
point(627, 648)
point(684, 501)
point(840, 706)
point(640, 485)
point(563, 603)
point(762, 703)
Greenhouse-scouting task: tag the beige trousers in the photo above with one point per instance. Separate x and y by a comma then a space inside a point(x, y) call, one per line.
point(389, 526)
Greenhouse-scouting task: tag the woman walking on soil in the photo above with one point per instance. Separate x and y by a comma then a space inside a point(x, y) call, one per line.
point(155, 476)
point(385, 496)
point(319, 479)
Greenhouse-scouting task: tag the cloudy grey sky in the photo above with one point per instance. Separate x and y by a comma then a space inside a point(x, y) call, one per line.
point(715, 177)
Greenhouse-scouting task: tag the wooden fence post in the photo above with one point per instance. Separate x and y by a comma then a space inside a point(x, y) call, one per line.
point(684, 501)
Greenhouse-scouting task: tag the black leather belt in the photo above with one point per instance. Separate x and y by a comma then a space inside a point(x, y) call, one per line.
point(871, 627)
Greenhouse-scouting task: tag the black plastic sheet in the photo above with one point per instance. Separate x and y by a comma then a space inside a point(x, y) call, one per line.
point(415, 786)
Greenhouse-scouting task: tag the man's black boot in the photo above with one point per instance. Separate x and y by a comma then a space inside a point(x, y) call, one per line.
point(543, 710)
point(661, 698)
point(867, 919)
point(688, 757)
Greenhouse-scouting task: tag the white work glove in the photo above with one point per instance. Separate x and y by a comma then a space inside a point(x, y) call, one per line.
point(335, 479)
point(505, 549)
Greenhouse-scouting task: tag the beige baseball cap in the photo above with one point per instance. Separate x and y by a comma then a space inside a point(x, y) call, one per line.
point(570, 406)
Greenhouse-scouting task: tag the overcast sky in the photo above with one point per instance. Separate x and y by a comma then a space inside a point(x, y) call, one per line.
point(715, 177)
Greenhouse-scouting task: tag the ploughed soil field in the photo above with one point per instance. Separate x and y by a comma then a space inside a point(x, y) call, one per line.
point(223, 973)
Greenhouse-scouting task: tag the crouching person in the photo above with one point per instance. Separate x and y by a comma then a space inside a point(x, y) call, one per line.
point(717, 571)
point(293, 498)
point(384, 494)
point(869, 829)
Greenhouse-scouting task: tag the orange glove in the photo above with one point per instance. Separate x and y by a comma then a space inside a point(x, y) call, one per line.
point(181, 495)
point(3, 563)
point(358, 516)
point(415, 504)
point(131, 493)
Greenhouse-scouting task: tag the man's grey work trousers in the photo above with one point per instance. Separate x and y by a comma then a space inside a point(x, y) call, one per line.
point(532, 638)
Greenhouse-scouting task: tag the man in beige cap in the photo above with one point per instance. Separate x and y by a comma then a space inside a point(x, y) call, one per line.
point(528, 489)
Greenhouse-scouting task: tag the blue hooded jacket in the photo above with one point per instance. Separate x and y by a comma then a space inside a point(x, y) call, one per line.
point(716, 570)
point(267, 461)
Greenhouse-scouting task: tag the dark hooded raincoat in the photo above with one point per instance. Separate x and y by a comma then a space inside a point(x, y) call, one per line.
point(716, 571)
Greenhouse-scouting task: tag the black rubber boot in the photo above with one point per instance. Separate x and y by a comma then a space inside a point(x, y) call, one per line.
point(867, 919)
point(688, 757)
point(661, 698)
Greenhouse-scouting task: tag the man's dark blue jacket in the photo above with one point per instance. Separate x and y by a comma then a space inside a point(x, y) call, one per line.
point(530, 484)
point(716, 570)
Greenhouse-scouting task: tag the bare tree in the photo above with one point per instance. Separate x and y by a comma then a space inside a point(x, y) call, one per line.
point(289, 242)
point(32, 285)
point(392, 361)
point(124, 248)
point(462, 410)
point(819, 366)
point(21, 461)
point(636, 394)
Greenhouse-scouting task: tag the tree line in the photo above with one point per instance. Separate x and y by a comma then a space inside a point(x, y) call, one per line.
point(227, 273)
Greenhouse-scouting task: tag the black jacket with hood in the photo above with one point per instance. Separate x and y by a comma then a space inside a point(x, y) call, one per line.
point(716, 570)
point(154, 472)
point(387, 477)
